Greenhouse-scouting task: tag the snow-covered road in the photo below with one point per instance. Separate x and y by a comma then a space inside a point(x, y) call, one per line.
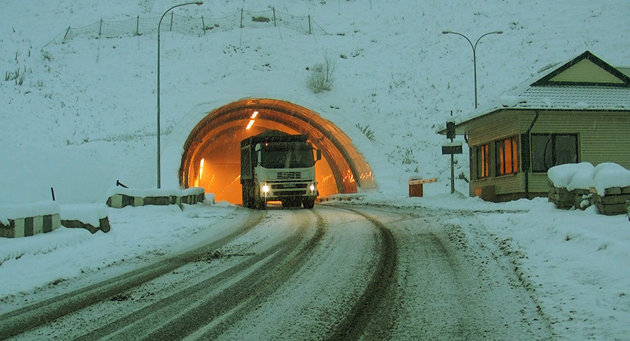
point(335, 272)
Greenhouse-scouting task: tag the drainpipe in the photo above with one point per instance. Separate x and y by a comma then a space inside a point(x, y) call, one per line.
point(527, 153)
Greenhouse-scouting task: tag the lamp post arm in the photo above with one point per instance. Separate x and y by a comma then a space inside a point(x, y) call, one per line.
point(159, 176)
point(461, 35)
point(485, 34)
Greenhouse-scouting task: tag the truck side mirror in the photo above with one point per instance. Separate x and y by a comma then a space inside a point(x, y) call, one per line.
point(318, 155)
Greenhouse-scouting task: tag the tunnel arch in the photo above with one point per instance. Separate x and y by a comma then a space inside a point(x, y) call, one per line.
point(217, 136)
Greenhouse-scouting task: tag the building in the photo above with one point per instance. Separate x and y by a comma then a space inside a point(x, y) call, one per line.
point(572, 112)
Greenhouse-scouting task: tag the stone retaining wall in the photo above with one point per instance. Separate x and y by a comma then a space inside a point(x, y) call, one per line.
point(614, 201)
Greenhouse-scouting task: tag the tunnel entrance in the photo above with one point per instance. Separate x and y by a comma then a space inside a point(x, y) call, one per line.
point(211, 157)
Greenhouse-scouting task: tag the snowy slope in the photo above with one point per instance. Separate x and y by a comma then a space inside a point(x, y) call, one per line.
point(84, 116)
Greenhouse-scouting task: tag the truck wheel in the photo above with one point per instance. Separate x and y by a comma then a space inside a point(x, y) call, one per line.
point(261, 204)
point(308, 203)
point(245, 197)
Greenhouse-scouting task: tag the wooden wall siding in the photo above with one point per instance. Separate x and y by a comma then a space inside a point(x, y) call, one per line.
point(506, 184)
point(494, 127)
point(538, 182)
point(602, 137)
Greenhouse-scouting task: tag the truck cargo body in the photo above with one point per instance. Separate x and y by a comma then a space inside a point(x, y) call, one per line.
point(278, 167)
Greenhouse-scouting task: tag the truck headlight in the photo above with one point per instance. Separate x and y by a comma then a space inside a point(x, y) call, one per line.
point(265, 188)
point(312, 187)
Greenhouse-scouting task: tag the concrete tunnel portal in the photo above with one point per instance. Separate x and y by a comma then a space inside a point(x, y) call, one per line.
point(211, 156)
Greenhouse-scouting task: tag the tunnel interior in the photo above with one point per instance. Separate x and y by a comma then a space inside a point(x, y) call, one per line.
point(211, 156)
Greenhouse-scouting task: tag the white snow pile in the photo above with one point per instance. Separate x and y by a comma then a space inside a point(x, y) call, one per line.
point(27, 210)
point(154, 192)
point(85, 213)
point(585, 176)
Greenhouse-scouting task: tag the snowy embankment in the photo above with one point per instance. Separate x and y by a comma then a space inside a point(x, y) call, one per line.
point(139, 235)
point(574, 260)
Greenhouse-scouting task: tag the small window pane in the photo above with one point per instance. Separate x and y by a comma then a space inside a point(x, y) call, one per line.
point(565, 149)
point(542, 158)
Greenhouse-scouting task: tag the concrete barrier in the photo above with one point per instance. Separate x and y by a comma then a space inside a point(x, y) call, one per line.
point(29, 219)
point(119, 197)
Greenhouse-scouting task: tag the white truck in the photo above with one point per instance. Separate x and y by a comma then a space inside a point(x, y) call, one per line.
point(276, 166)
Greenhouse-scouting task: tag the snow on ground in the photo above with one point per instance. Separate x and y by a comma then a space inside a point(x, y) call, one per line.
point(575, 260)
point(139, 235)
point(83, 116)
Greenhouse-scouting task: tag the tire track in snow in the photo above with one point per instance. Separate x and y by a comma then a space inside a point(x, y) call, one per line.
point(206, 309)
point(47, 311)
point(375, 304)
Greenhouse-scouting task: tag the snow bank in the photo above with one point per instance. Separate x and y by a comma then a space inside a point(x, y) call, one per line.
point(584, 176)
point(85, 213)
point(572, 176)
point(27, 210)
point(609, 175)
point(154, 192)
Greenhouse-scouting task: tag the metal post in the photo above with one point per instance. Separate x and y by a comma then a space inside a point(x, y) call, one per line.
point(66, 35)
point(100, 27)
point(474, 49)
point(159, 176)
point(452, 172)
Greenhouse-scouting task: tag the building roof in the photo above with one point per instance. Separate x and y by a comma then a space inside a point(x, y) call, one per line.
point(585, 82)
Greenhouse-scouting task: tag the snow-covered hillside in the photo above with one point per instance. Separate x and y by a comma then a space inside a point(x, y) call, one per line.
point(83, 114)
point(80, 115)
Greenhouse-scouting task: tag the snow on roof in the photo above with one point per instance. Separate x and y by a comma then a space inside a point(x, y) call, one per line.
point(561, 96)
point(574, 97)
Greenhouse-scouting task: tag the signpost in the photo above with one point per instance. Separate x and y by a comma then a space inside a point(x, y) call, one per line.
point(451, 149)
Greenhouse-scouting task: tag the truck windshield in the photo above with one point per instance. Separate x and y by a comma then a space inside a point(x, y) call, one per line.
point(287, 155)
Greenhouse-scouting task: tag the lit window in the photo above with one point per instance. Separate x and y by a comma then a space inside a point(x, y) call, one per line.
point(482, 163)
point(507, 156)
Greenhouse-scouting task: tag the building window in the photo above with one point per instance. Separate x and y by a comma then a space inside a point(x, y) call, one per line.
point(550, 150)
point(507, 156)
point(482, 161)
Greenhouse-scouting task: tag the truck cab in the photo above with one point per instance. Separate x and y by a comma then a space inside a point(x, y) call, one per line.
point(276, 166)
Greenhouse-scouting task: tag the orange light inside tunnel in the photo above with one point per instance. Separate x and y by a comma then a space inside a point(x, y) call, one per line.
point(216, 141)
point(201, 167)
point(223, 178)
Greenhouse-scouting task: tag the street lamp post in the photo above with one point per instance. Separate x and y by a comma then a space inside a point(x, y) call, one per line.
point(474, 49)
point(159, 184)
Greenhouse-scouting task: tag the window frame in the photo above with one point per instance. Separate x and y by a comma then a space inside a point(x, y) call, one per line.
point(482, 161)
point(553, 148)
point(504, 148)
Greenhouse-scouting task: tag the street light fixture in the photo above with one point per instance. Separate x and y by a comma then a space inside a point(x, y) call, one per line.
point(474, 49)
point(158, 86)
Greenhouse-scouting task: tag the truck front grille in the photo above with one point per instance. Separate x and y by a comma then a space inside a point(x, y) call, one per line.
point(289, 185)
point(288, 193)
point(289, 175)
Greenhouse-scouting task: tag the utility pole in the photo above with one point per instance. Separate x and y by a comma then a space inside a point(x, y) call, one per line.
point(451, 149)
